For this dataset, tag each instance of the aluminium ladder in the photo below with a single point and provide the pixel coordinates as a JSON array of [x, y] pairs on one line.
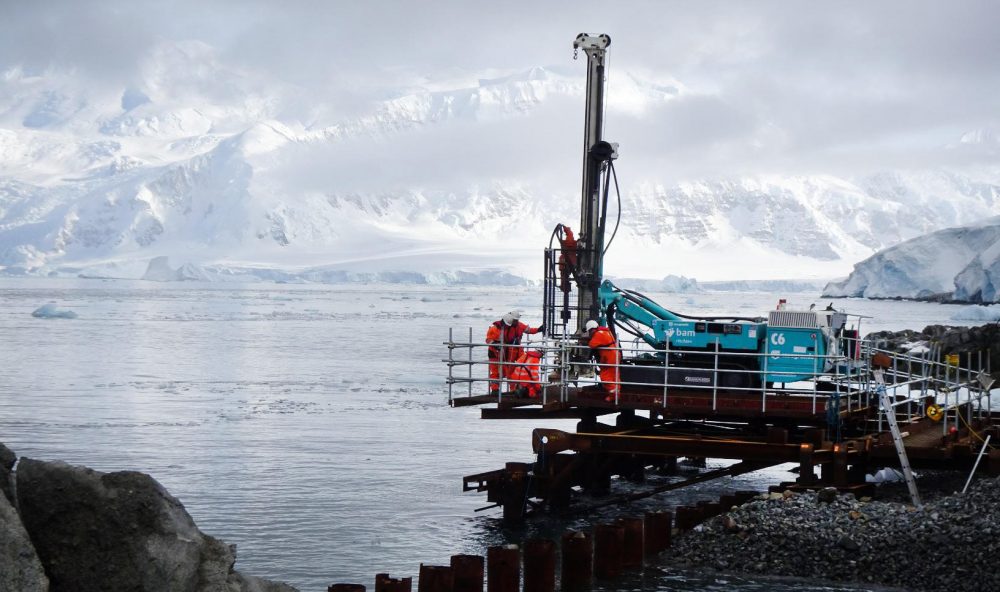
[[897, 438]]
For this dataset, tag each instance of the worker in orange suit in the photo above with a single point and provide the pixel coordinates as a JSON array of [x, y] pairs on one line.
[[604, 348], [504, 346], [525, 375]]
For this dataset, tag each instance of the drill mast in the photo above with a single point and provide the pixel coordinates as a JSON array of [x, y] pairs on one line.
[[596, 154]]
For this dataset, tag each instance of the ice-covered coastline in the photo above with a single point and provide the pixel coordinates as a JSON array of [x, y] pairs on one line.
[[953, 265]]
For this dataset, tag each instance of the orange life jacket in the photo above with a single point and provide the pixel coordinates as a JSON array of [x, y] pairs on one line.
[[499, 333], [609, 357], [526, 372]]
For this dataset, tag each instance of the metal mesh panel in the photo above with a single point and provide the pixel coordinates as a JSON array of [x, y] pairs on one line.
[[792, 319]]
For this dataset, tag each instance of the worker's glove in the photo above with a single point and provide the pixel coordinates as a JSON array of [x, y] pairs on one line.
[[541, 329]]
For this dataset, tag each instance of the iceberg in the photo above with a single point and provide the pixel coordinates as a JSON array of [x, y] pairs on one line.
[[50, 311], [960, 264]]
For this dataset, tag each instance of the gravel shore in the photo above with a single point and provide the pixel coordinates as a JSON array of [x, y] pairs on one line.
[[950, 543]]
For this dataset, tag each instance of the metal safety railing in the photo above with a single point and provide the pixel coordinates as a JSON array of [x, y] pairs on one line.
[[836, 383], [956, 390]]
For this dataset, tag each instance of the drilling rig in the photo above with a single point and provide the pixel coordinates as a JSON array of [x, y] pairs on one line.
[[791, 386]]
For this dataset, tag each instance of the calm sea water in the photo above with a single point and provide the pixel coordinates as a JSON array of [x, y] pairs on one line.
[[307, 424]]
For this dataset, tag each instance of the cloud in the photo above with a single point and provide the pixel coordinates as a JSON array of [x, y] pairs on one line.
[[774, 86], [446, 157]]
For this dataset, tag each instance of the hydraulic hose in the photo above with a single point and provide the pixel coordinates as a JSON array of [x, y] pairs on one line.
[[618, 220]]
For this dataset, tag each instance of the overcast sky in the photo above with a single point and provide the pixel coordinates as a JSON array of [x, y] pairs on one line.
[[788, 86]]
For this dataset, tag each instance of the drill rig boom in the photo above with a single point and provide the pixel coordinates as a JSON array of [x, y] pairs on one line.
[[596, 154]]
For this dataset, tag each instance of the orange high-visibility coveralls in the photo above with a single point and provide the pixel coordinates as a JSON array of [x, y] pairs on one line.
[[505, 346], [526, 372], [609, 358]]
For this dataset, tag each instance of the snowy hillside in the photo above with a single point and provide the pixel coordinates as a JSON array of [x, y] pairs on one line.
[[204, 165], [956, 263]]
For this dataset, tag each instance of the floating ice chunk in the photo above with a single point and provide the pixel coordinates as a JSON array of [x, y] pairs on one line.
[[49, 311], [978, 313]]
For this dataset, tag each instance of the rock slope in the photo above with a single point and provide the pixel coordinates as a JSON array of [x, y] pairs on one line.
[[75, 529]]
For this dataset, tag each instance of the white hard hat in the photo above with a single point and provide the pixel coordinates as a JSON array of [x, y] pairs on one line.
[[508, 319], [515, 314], [591, 325]]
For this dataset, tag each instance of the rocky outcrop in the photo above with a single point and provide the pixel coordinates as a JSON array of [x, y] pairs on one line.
[[950, 340], [20, 568], [120, 531], [7, 460]]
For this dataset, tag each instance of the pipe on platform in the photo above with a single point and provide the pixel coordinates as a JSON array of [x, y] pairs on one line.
[[609, 543], [503, 569], [435, 578], [577, 561], [709, 509], [383, 583], [687, 517], [633, 545], [657, 531], [467, 571], [539, 565]]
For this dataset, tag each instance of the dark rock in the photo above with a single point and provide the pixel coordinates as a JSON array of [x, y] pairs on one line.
[[20, 568], [119, 531], [847, 543], [827, 495], [982, 342], [7, 460]]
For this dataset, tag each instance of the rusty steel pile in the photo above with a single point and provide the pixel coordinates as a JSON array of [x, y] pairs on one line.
[[607, 552]]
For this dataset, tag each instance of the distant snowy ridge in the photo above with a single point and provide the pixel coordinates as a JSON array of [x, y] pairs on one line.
[[768, 286], [672, 284], [91, 179], [960, 264], [159, 270]]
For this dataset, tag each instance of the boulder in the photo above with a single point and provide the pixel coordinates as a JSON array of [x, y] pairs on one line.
[[827, 495], [7, 460], [20, 568], [118, 531]]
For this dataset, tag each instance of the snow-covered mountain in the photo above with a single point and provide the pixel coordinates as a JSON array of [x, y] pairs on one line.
[[211, 167], [960, 264]]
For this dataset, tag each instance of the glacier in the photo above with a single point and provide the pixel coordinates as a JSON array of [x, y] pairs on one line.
[[957, 264], [445, 183]]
